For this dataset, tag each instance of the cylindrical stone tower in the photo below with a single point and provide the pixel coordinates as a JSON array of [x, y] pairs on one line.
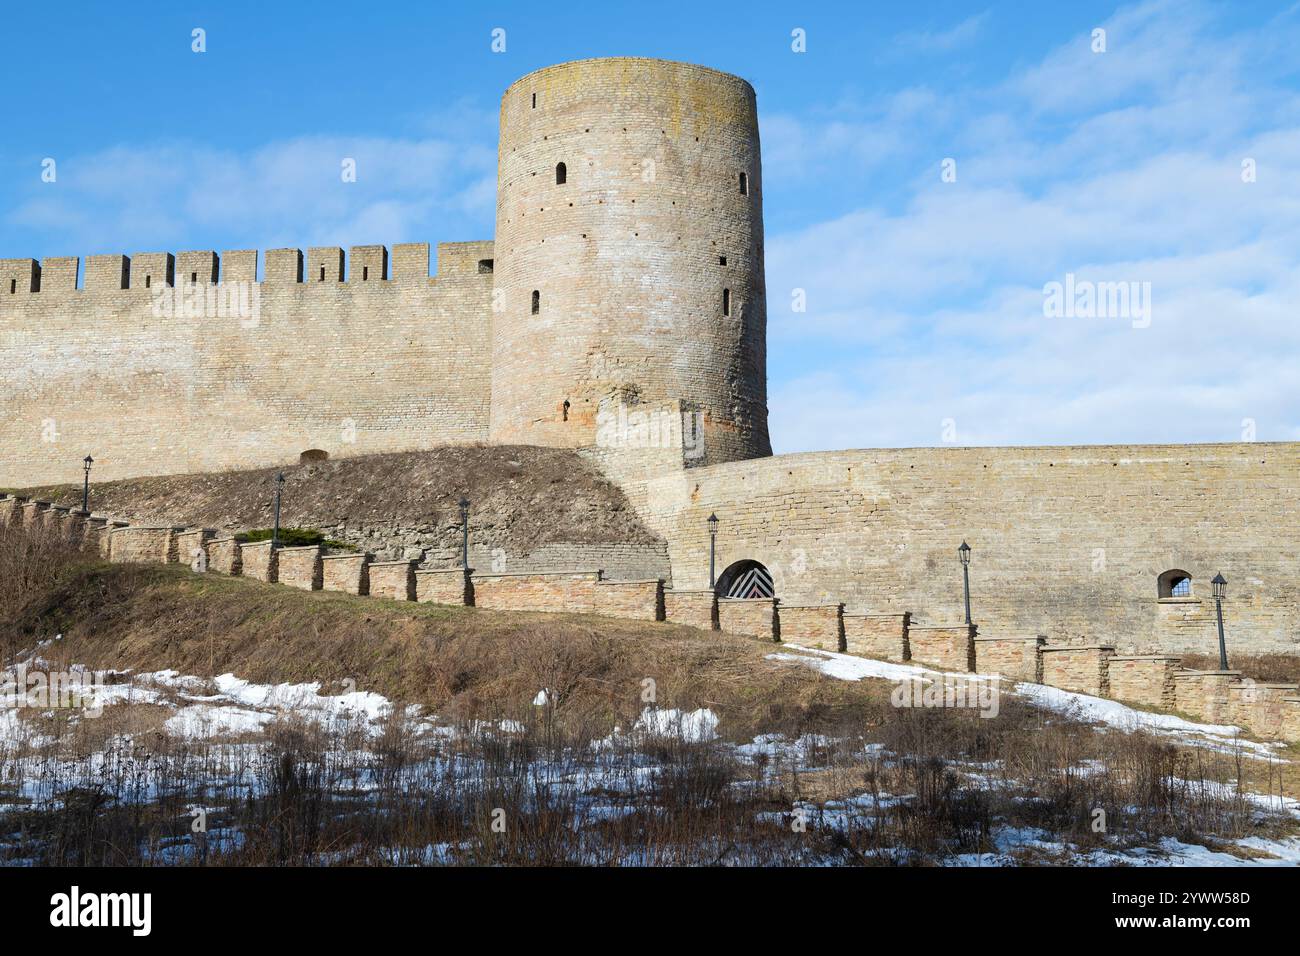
[[629, 259]]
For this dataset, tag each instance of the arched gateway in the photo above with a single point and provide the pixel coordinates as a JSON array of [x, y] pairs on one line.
[[745, 579]]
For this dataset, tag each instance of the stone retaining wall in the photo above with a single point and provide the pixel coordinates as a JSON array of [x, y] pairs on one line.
[[882, 636], [143, 543], [1147, 680], [444, 586], [300, 567], [224, 556], [259, 561], [1204, 694], [813, 625], [1082, 668], [393, 579], [192, 542], [349, 573], [692, 608], [573, 591], [754, 617], [1016, 657], [637, 600], [947, 647]]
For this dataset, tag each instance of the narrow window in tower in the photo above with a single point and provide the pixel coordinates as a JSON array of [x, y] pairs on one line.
[[13, 286], [744, 184], [561, 174], [322, 273], [564, 411], [534, 101], [722, 260], [146, 281], [365, 273], [194, 278], [537, 302], [726, 302]]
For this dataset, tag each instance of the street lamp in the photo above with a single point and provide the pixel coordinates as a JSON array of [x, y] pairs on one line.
[[964, 553], [464, 530], [275, 532], [85, 488], [713, 549], [1220, 592]]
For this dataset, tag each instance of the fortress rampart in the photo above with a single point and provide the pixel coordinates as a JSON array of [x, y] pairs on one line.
[[163, 363]]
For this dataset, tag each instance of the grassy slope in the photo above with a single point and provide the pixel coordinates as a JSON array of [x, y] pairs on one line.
[[523, 496], [463, 662]]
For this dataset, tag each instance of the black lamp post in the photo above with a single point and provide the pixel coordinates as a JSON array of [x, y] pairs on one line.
[[464, 533], [713, 549], [1220, 592], [275, 531], [964, 553], [85, 487]]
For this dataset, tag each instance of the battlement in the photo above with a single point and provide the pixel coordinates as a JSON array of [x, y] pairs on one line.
[[360, 265]]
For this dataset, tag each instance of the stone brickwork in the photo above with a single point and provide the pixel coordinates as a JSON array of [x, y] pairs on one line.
[[1259, 707], [136, 543], [349, 573], [1016, 657], [259, 561], [404, 358], [95, 534], [555, 591], [1082, 668], [106, 538], [876, 530], [32, 512], [692, 608], [300, 567], [193, 542], [393, 579], [1204, 694], [1146, 680], [813, 625], [653, 153], [444, 586], [1291, 719], [639, 600], [224, 556], [881, 636], [754, 617], [947, 647], [10, 510]]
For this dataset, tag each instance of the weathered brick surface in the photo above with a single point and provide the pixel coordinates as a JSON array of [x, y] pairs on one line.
[[142, 543], [1259, 707], [1016, 657], [1291, 719], [639, 600], [259, 561], [1082, 668], [755, 617], [879, 636], [576, 243], [393, 579], [224, 556], [406, 359], [556, 591], [72, 526], [96, 527], [300, 567], [813, 625], [193, 542], [692, 608], [1204, 694], [947, 647], [349, 573], [443, 586], [106, 537], [1147, 680], [837, 509]]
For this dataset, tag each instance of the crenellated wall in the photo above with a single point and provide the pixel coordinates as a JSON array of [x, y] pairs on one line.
[[163, 363]]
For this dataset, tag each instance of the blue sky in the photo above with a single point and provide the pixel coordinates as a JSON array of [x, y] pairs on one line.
[[925, 320]]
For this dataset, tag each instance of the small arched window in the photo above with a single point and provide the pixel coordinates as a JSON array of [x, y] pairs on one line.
[[561, 174], [1175, 584], [537, 301]]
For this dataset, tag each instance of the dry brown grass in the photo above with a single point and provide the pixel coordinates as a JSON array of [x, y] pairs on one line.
[[1266, 668]]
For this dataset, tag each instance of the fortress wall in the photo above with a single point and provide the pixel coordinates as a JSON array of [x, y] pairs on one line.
[[626, 254], [202, 377], [1068, 542]]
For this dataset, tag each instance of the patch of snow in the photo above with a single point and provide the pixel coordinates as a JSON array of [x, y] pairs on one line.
[[697, 726]]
